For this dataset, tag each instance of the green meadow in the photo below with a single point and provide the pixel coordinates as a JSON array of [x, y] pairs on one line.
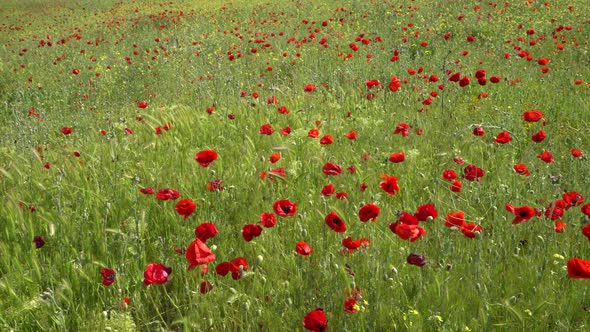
[[431, 155]]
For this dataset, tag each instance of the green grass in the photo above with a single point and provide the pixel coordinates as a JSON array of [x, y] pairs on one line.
[[92, 215]]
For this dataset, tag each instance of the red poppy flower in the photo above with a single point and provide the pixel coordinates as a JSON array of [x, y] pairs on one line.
[[416, 259], [303, 248], [586, 230], [237, 266], [147, 191], [286, 131], [546, 156], [108, 276], [522, 169], [470, 38], [223, 268], [268, 219], [405, 231], [66, 130], [372, 83], [455, 77], [351, 135], [586, 209], [572, 199], [186, 207], [397, 157], [473, 172], [395, 83], [369, 212], [205, 287], [285, 208], [389, 184], [408, 219], [266, 129], [503, 137], [539, 136], [576, 153], [205, 231], [156, 274], [403, 129], [206, 157], [283, 110], [167, 194], [426, 212], [470, 230], [578, 268], [478, 131], [250, 231], [521, 214], [532, 116], [39, 241], [464, 81], [449, 175], [313, 133], [560, 226], [309, 88], [456, 186], [455, 219], [331, 169], [315, 321], [335, 223], [274, 157], [350, 305], [328, 190], [326, 140], [215, 185], [129, 131], [555, 210], [198, 253], [142, 104]]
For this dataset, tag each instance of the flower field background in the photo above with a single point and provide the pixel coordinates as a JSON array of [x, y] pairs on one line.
[[319, 165]]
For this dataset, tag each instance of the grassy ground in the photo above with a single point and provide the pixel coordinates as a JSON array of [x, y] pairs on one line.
[[210, 75]]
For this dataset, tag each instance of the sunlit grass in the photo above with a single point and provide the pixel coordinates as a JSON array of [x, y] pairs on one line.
[[204, 75]]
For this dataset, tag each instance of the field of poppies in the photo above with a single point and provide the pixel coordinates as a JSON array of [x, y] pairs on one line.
[[298, 165]]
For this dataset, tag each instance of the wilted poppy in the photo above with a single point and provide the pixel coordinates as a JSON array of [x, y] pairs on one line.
[[156, 273], [315, 321], [335, 222], [186, 207], [205, 287], [206, 157]]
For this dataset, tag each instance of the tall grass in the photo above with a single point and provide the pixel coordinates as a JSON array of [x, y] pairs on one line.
[[91, 213]]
